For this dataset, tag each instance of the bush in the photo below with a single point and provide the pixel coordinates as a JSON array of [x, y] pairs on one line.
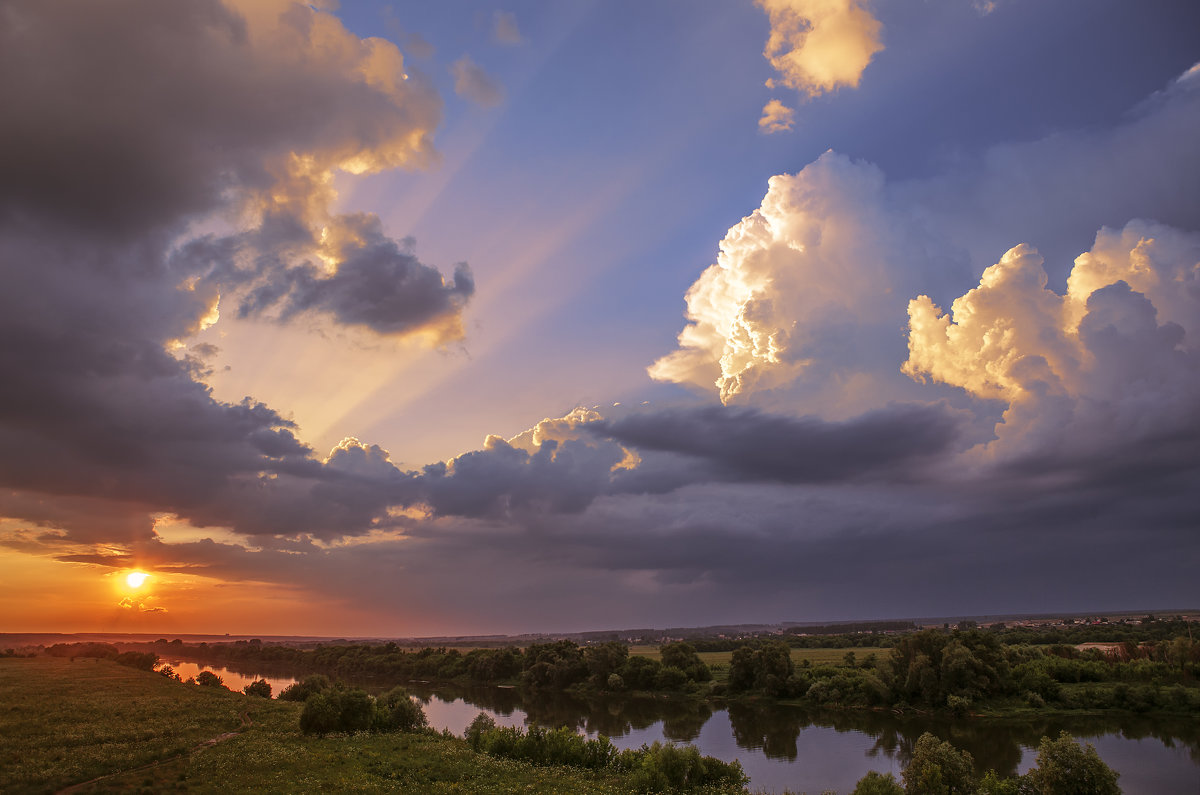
[[875, 783], [655, 768], [320, 715], [342, 709], [259, 687], [665, 767], [169, 672], [397, 711], [482, 724], [300, 691], [209, 679]]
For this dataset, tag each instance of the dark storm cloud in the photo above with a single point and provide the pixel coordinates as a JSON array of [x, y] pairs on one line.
[[744, 444], [681, 447], [501, 480], [124, 122], [124, 116], [379, 283]]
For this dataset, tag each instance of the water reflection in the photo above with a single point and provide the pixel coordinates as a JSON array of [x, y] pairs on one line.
[[815, 750]]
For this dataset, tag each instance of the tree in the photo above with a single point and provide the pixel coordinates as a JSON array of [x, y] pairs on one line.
[[397, 711], [259, 687], [605, 659], [300, 691], [938, 768], [1066, 768], [320, 715], [209, 679]]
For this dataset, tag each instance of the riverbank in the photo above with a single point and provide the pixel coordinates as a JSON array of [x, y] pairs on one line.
[[113, 728]]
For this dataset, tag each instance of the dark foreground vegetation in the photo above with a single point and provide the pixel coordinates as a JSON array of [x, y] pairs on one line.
[[107, 727], [1149, 667]]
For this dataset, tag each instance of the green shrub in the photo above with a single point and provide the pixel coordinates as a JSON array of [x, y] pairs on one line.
[[938, 768], [1066, 768], [259, 687], [300, 691], [397, 711], [320, 716], [875, 783], [209, 679]]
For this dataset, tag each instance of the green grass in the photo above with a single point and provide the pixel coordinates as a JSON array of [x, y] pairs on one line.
[[64, 723]]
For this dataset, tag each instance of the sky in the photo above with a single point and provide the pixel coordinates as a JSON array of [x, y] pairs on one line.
[[408, 319]]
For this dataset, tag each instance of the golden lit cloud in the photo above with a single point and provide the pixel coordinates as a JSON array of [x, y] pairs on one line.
[[818, 46], [811, 256], [1012, 334], [776, 117]]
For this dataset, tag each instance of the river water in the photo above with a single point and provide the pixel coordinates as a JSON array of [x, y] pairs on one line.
[[814, 751]]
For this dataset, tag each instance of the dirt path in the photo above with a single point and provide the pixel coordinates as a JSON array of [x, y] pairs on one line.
[[209, 743]]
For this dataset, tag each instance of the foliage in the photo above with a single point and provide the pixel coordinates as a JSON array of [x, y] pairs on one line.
[[938, 768], [666, 767], [300, 691], [660, 767], [1065, 768], [875, 783], [765, 667], [143, 661], [209, 679], [397, 711], [259, 687], [350, 709]]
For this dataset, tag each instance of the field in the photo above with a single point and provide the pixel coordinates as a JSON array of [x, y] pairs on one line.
[[65, 723]]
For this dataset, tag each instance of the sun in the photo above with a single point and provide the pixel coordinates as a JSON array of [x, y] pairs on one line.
[[135, 579]]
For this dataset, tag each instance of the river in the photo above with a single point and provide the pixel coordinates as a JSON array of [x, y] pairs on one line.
[[786, 747]]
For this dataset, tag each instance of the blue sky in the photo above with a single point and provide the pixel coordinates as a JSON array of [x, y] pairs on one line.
[[430, 318]]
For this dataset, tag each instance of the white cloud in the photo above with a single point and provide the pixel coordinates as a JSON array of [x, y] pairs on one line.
[[810, 265], [776, 117], [1111, 362], [818, 46]]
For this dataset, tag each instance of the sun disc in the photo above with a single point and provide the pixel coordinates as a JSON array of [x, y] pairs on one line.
[[134, 579]]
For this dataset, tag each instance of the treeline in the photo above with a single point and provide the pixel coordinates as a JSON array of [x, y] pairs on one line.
[[560, 665], [961, 670], [887, 634], [144, 661]]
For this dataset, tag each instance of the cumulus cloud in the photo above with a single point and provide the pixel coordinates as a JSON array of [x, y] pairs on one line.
[[818, 46], [776, 117], [803, 288], [505, 29], [471, 82], [1112, 362]]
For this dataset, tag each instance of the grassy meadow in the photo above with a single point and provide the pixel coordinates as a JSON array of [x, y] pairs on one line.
[[65, 723]]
